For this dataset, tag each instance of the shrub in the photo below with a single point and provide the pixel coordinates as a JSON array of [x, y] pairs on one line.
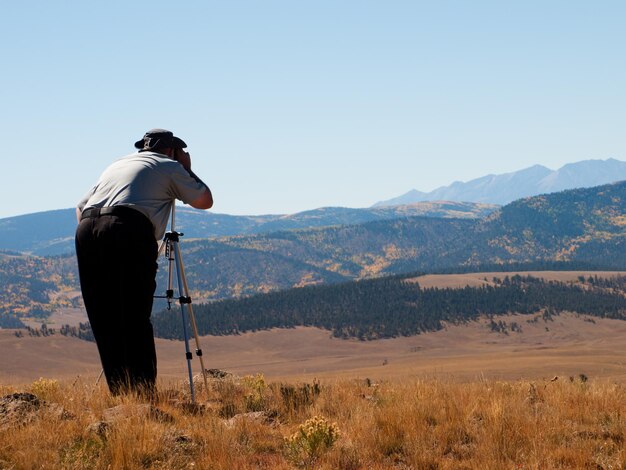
[[311, 440], [256, 389], [45, 388]]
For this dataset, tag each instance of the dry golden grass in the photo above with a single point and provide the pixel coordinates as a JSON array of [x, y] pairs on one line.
[[567, 423]]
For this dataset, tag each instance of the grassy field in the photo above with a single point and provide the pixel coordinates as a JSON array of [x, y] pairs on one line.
[[550, 393], [251, 423]]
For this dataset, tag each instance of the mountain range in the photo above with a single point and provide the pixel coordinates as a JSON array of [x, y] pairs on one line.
[[585, 226], [52, 232], [582, 228], [508, 187]]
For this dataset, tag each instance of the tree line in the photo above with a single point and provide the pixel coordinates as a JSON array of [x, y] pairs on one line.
[[394, 306], [390, 307], [82, 331]]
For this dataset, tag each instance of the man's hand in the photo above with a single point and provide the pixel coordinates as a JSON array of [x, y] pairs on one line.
[[183, 158]]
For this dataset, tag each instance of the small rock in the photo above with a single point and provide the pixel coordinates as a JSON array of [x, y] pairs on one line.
[[217, 373], [212, 375], [22, 408], [56, 410], [18, 408], [262, 417], [99, 428]]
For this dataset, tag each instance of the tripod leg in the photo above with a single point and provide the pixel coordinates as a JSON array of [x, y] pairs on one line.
[[188, 355], [93, 389], [181, 269]]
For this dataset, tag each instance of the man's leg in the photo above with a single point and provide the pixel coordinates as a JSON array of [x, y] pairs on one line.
[[98, 279], [117, 266], [137, 293]]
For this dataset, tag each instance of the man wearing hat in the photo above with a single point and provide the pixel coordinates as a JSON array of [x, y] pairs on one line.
[[120, 220]]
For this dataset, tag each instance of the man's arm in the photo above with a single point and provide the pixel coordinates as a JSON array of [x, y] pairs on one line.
[[78, 214], [206, 200], [203, 202]]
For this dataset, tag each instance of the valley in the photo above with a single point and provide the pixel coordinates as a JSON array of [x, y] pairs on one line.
[[364, 281], [564, 345], [568, 345]]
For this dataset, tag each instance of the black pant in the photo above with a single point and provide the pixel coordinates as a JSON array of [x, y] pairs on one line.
[[117, 267]]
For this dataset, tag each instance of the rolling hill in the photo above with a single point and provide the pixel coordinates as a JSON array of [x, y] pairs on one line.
[[52, 232], [581, 228], [584, 226]]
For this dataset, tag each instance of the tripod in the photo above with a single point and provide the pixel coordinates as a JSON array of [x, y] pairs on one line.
[[169, 246]]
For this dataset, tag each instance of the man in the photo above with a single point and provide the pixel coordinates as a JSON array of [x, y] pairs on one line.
[[120, 220]]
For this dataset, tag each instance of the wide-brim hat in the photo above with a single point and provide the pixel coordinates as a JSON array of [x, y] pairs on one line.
[[162, 138]]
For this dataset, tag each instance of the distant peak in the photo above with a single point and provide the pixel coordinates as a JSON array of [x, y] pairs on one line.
[[533, 180], [539, 167]]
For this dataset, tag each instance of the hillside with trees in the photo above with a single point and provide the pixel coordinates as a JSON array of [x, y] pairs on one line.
[[397, 306], [583, 228], [35, 287], [52, 232]]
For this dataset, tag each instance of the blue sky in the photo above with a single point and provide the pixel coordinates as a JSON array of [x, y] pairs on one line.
[[293, 105]]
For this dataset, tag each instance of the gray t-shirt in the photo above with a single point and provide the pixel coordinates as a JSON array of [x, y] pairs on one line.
[[148, 182]]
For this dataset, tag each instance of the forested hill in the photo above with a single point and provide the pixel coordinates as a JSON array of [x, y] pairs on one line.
[[246, 265], [34, 287], [395, 306], [586, 225], [583, 225], [52, 232]]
